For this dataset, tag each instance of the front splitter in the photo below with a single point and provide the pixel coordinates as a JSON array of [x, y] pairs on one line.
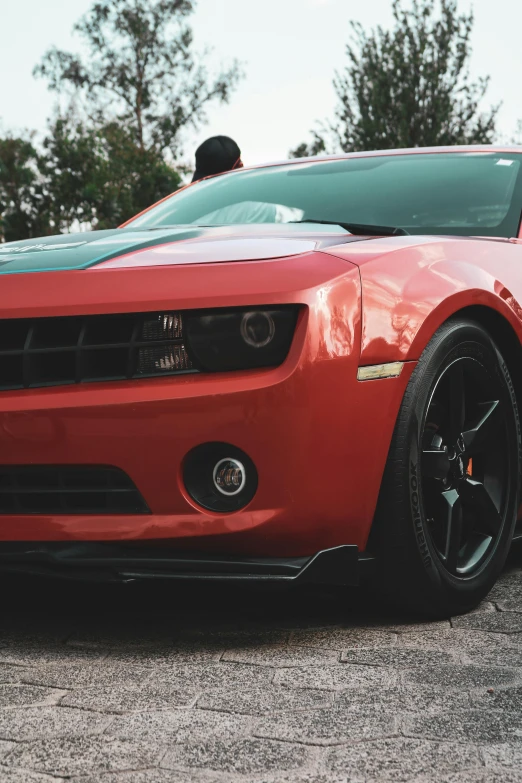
[[114, 562]]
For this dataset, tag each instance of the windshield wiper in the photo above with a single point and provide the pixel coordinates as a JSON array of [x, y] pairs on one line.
[[359, 229]]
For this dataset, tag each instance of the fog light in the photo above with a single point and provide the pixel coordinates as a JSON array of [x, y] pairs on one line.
[[220, 477], [229, 476], [257, 329]]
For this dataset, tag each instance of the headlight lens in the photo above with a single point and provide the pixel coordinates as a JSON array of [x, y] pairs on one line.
[[240, 339], [257, 329]]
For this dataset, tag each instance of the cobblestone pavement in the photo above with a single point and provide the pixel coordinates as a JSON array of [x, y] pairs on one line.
[[160, 684]]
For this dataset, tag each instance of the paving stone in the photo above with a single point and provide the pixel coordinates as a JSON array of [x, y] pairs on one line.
[[200, 676], [507, 607], [263, 700], [333, 677], [306, 777], [274, 655], [83, 755], [235, 639], [498, 622], [5, 747], [467, 726], [11, 673], [342, 638], [504, 656], [143, 776], [398, 658], [411, 627], [25, 776], [33, 723], [27, 695], [78, 675], [407, 699], [463, 676], [484, 606], [509, 699], [480, 776], [285, 709], [329, 727], [507, 593], [447, 639], [296, 620], [503, 755], [165, 656], [178, 727], [38, 655], [120, 700], [400, 759], [244, 756]]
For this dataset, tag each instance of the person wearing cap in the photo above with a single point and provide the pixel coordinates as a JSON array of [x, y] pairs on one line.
[[216, 155]]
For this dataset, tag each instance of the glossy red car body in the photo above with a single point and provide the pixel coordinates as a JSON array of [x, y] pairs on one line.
[[318, 436]]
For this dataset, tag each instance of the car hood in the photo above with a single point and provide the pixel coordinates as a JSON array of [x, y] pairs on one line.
[[130, 247]]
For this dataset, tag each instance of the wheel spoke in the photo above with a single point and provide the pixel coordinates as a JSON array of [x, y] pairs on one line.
[[453, 512], [457, 410], [473, 551], [435, 464], [475, 495], [466, 462], [485, 429]]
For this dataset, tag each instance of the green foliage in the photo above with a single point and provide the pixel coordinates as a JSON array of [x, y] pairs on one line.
[[99, 175], [304, 150], [130, 100], [140, 70], [409, 86], [23, 205]]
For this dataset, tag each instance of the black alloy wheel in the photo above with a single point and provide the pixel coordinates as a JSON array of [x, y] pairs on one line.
[[452, 476], [463, 465]]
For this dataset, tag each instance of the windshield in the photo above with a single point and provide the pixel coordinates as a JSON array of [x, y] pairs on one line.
[[465, 193]]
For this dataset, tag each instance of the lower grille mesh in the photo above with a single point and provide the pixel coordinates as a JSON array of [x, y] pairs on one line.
[[68, 489]]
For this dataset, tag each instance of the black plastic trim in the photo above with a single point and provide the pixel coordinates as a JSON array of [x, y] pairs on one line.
[[65, 350], [68, 489], [114, 562]]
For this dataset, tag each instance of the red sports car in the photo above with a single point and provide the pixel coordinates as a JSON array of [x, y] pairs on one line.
[[298, 372]]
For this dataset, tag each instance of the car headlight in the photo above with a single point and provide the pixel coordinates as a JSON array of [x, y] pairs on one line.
[[239, 339]]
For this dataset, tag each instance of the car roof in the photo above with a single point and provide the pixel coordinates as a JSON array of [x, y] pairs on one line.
[[477, 148]]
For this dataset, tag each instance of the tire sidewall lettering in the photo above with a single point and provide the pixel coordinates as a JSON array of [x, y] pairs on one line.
[[417, 514]]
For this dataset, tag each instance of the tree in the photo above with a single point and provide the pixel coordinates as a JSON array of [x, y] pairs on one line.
[[112, 150], [99, 176], [409, 86], [304, 150], [23, 204], [140, 71]]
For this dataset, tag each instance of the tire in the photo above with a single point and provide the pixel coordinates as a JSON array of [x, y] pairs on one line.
[[449, 496]]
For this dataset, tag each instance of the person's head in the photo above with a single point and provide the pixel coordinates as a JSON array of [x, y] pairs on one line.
[[215, 155]]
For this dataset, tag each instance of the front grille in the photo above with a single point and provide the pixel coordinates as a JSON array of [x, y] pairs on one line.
[[57, 351], [68, 489]]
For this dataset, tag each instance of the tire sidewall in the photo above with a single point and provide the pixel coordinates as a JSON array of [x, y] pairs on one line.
[[459, 339]]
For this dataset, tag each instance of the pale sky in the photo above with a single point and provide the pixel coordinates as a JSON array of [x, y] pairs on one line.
[[290, 50]]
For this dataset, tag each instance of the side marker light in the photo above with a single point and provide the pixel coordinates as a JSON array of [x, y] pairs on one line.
[[376, 371]]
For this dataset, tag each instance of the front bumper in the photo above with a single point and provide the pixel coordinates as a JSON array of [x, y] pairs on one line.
[[340, 566], [317, 436]]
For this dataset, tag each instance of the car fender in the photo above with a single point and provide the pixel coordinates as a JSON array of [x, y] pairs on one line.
[[409, 291]]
